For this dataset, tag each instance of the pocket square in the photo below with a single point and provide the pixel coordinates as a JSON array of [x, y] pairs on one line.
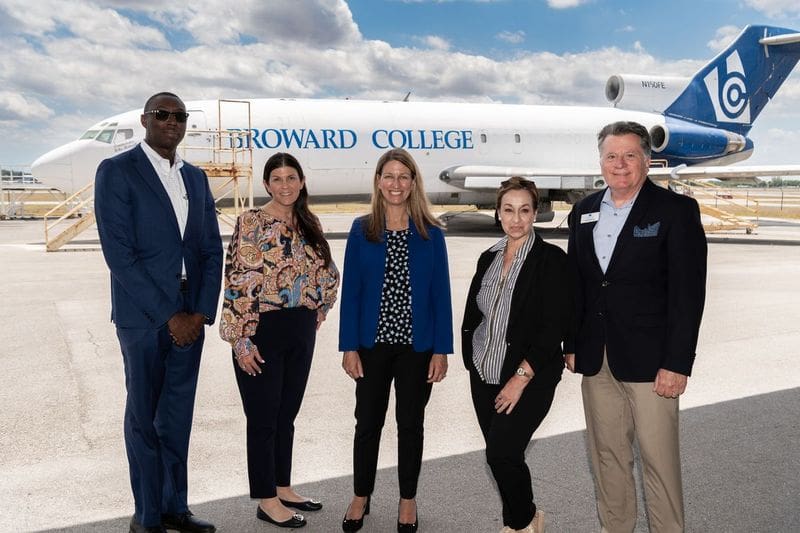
[[651, 230]]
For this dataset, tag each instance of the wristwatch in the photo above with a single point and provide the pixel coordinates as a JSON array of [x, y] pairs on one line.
[[524, 373]]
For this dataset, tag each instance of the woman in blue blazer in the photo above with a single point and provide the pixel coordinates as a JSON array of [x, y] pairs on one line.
[[395, 325]]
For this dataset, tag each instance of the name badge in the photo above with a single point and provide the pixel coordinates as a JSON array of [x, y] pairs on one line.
[[590, 217]]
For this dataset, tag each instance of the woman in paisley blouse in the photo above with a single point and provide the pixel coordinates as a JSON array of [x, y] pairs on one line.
[[395, 325], [280, 282]]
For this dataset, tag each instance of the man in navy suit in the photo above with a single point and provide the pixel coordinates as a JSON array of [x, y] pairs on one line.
[[638, 254], [158, 230]]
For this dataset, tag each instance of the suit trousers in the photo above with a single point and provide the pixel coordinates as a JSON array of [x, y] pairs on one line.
[[616, 411], [409, 369], [285, 339], [507, 436], [161, 380]]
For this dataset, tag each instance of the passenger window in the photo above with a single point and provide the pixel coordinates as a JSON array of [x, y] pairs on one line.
[[517, 138], [483, 138]]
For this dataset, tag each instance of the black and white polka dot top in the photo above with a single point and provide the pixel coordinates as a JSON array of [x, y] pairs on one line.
[[394, 324]]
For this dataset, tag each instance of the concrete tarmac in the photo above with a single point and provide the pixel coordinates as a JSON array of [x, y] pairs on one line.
[[62, 457]]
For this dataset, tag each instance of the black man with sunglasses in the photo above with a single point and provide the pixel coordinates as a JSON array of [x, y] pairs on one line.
[[158, 230]]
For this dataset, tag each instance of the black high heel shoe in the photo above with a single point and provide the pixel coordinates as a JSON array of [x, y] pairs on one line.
[[354, 524], [407, 528]]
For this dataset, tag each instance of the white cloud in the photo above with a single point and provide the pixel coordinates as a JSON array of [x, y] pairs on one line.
[[513, 37], [434, 42], [67, 83], [17, 107], [566, 4], [626, 29], [775, 8], [723, 37], [50, 20]]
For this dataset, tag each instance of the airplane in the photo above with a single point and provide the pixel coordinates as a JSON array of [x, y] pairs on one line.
[[699, 127]]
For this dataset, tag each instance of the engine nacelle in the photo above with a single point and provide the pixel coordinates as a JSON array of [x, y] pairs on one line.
[[636, 92], [683, 142]]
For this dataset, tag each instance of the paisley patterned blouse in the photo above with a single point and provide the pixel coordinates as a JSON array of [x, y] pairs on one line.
[[269, 266]]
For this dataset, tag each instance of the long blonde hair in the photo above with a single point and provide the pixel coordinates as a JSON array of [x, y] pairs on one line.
[[419, 208]]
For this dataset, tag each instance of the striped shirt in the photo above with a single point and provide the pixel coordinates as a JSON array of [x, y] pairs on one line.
[[494, 303]]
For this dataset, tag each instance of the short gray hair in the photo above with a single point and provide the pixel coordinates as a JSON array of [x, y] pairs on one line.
[[624, 128]]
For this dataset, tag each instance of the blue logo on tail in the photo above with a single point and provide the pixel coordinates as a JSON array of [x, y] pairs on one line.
[[728, 91]]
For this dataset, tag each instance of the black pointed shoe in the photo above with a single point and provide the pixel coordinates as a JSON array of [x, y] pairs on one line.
[[186, 523], [408, 528], [307, 505], [354, 524], [296, 521]]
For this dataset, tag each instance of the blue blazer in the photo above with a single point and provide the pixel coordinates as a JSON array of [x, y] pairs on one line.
[[142, 243], [645, 311], [362, 281]]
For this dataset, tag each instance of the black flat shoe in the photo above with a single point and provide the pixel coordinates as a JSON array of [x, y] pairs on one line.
[[354, 524], [294, 522], [307, 505]]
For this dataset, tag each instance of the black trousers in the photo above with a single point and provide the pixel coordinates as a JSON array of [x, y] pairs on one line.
[[271, 400], [507, 437], [409, 370]]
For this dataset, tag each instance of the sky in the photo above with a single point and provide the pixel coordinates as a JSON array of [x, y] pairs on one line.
[[66, 64]]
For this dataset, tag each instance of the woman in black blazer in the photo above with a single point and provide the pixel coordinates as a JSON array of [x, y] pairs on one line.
[[518, 312]]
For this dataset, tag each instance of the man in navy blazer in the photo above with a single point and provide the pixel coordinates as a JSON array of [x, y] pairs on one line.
[[158, 230], [638, 255]]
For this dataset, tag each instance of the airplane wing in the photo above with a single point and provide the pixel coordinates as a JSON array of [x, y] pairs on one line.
[[488, 177], [730, 172]]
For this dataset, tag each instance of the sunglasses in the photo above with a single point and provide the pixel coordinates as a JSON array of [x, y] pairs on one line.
[[163, 115]]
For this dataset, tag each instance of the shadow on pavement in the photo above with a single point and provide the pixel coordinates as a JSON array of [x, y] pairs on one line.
[[740, 464]]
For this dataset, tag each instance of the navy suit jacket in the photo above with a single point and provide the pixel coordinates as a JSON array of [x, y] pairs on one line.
[[362, 282], [646, 309], [142, 243]]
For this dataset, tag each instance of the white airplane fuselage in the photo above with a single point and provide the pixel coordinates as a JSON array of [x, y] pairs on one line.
[[464, 150], [339, 141]]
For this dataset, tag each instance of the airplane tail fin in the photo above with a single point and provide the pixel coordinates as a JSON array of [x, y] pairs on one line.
[[734, 87]]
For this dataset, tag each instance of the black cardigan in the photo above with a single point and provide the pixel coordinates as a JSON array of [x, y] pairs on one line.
[[540, 317]]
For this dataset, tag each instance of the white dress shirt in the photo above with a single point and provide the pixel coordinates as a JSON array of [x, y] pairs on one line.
[[171, 179]]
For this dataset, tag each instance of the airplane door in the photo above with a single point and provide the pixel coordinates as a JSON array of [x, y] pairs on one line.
[[483, 142], [198, 143]]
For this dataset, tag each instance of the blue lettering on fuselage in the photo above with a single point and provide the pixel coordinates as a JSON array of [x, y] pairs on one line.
[[423, 139], [345, 139]]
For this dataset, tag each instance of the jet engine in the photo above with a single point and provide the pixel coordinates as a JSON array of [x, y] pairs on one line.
[[682, 142], [636, 92]]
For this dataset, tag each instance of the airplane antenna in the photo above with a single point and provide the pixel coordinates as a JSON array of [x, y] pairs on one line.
[[405, 98]]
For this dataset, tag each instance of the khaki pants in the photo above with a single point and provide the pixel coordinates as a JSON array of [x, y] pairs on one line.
[[615, 412]]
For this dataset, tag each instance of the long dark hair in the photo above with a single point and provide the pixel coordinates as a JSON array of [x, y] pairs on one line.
[[307, 222]]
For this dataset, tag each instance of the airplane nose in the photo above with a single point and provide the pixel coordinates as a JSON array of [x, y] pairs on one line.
[[55, 168]]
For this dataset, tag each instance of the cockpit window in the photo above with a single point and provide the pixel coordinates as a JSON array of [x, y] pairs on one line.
[[105, 136], [91, 134]]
